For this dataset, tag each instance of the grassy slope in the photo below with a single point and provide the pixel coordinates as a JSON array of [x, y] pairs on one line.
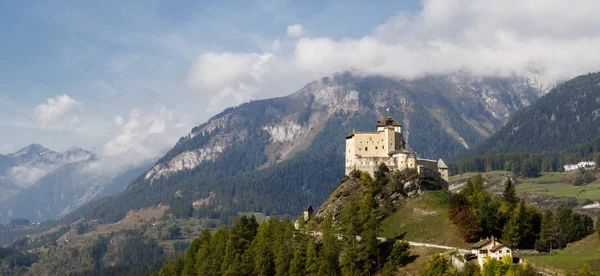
[[423, 219], [557, 184], [573, 257], [549, 183]]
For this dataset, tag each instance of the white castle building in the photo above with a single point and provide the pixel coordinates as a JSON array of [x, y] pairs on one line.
[[366, 150]]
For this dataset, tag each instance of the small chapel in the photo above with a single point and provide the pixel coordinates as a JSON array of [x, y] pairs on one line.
[[366, 150]]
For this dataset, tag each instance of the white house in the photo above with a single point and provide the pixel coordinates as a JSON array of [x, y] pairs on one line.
[[490, 248]]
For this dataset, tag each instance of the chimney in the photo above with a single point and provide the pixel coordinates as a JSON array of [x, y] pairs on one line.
[[493, 241]]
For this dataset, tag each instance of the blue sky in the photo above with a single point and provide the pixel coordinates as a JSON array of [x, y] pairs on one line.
[[114, 56], [131, 77]]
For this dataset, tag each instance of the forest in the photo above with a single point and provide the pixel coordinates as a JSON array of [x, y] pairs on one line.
[[327, 245]]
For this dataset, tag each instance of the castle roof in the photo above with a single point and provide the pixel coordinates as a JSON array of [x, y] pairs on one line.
[[309, 208], [388, 121], [441, 164]]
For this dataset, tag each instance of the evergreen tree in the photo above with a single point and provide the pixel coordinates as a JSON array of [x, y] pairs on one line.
[[548, 232], [351, 259], [297, 265], [189, 267], [370, 226], [520, 231], [400, 255], [510, 193], [438, 265], [312, 264], [329, 254]]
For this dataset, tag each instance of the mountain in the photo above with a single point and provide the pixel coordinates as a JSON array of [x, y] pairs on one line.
[[277, 154], [40, 184], [566, 119]]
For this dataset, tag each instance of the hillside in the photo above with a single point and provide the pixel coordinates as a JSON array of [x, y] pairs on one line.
[[568, 116], [276, 155], [573, 257]]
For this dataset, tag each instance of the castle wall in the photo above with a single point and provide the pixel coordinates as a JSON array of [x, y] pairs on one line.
[[372, 144], [350, 155], [371, 164]]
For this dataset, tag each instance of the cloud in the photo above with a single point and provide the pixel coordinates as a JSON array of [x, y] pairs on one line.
[[228, 78], [137, 139], [49, 113], [547, 40], [295, 30], [27, 175]]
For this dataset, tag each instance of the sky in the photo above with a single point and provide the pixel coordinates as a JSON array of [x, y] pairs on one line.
[[126, 79]]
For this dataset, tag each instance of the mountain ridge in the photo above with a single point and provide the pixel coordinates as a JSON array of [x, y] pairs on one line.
[[560, 121], [264, 139]]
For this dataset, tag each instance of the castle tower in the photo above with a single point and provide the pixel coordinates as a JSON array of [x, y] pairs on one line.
[[443, 169]]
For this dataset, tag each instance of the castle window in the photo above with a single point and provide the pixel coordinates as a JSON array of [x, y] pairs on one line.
[[366, 148], [382, 147], [375, 147]]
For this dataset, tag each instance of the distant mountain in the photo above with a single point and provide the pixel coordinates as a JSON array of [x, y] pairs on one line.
[[279, 154], [565, 120], [38, 183]]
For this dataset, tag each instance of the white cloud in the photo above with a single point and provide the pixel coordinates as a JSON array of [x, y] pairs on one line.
[[227, 78], [295, 30], [142, 136], [49, 113], [27, 175], [550, 40]]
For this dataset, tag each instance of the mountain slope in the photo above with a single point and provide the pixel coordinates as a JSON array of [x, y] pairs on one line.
[[39, 184], [558, 122], [277, 154]]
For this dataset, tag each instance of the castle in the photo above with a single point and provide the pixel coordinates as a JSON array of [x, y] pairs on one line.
[[366, 150]]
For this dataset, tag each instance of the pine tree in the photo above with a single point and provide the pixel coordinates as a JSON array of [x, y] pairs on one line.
[[298, 262], [189, 261], [350, 259], [368, 251], [261, 249], [548, 232], [329, 254], [312, 264], [510, 193]]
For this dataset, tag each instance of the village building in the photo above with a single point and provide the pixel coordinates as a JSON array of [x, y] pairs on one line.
[[583, 164], [308, 213], [365, 151], [489, 248]]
